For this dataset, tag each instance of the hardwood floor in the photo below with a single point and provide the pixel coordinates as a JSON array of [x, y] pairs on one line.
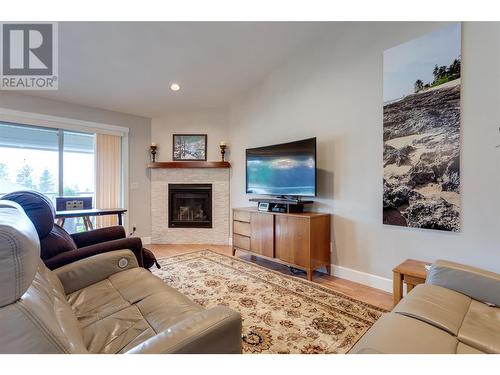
[[361, 292]]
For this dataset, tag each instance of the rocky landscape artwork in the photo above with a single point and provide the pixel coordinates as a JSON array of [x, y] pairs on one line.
[[422, 131]]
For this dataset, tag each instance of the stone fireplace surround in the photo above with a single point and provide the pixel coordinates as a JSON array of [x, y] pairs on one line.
[[162, 234]]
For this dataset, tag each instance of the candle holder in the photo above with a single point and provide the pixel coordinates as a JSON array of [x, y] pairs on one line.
[[222, 151], [153, 149]]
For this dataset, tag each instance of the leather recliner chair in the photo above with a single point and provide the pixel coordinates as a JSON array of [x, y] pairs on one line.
[[58, 247], [101, 304]]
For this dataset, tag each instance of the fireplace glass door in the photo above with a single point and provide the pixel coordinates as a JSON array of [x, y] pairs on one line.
[[190, 205]]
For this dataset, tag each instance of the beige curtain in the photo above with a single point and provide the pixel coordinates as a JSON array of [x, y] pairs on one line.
[[108, 176]]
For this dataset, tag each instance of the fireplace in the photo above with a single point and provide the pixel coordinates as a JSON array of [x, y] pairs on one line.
[[190, 205]]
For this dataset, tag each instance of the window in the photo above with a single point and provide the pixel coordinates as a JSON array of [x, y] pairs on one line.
[[78, 164], [55, 162]]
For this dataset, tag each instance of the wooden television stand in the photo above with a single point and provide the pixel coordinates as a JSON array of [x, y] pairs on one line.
[[301, 240]]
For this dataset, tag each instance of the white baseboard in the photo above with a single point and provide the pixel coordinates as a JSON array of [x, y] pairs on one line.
[[146, 240], [364, 278]]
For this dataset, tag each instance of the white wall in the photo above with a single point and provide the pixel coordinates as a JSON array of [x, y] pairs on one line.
[[213, 122], [334, 92], [139, 213]]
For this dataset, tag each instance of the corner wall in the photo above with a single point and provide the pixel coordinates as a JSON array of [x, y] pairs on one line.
[[213, 122], [334, 92]]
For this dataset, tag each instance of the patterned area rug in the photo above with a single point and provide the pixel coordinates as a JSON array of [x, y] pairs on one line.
[[281, 314]]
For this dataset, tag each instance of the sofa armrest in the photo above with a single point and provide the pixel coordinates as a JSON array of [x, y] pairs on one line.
[[88, 271], [96, 236], [474, 282], [133, 244], [216, 330]]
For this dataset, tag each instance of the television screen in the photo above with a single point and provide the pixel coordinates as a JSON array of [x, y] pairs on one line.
[[284, 169]]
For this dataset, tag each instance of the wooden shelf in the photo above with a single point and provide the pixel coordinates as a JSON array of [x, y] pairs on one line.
[[190, 164]]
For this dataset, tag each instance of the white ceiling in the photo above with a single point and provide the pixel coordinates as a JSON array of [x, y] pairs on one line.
[[128, 66]]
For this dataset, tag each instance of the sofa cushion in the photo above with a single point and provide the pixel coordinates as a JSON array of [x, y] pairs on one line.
[[117, 332], [481, 327], [136, 284], [126, 309], [96, 302], [466, 349], [440, 307], [166, 308], [399, 334]]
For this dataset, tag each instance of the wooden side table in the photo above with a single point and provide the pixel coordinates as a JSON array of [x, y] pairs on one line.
[[411, 272]]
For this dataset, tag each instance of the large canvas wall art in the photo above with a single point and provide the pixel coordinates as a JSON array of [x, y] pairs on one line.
[[422, 131]]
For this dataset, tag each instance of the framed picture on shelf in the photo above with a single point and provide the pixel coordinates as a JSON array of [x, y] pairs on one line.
[[189, 147]]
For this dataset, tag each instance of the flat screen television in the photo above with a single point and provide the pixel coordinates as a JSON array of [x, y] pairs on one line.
[[287, 169]]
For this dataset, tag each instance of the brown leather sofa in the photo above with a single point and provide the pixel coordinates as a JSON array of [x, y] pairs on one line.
[[455, 311], [58, 247], [100, 304]]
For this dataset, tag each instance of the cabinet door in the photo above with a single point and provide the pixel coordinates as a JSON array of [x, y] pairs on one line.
[[262, 234], [293, 240]]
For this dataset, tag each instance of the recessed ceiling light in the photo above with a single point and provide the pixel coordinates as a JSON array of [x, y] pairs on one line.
[[175, 87]]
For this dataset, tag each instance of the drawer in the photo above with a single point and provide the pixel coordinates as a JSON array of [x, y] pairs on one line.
[[241, 216], [241, 228], [241, 241], [413, 280]]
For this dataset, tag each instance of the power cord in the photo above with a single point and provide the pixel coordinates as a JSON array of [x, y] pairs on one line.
[[296, 271], [133, 231]]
